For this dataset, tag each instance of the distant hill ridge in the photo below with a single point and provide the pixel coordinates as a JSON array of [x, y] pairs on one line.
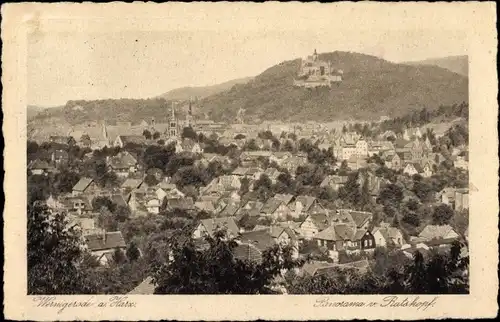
[[186, 93], [456, 64], [371, 87]]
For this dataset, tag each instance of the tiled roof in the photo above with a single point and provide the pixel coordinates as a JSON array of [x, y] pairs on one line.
[[247, 252], [145, 288], [220, 222], [435, 231], [306, 201], [230, 210], [320, 220], [122, 160], [39, 164], [180, 203], [261, 239], [286, 198], [131, 183], [205, 205], [112, 240], [135, 139], [271, 205], [82, 184]]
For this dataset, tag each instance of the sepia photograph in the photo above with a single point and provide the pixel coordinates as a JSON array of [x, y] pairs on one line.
[[210, 160]]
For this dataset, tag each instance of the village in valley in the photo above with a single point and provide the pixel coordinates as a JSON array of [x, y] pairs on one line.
[[342, 196]]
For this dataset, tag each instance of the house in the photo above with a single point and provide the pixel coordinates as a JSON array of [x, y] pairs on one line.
[[123, 140], [393, 161], [275, 208], [447, 196], [66, 140], [130, 184], [427, 170], [188, 145], [85, 186], [345, 237], [168, 190], [209, 226], [304, 205], [388, 134], [461, 163], [87, 226], [250, 208], [412, 169], [412, 133], [356, 162], [80, 205], [357, 219], [230, 209], [313, 224], [181, 204], [123, 164], [292, 163], [279, 157], [286, 198], [207, 206], [261, 239], [272, 174], [385, 235], [104, 245], [60, 157], [333, 181], [432, 232], [40, 167], [461, 199]]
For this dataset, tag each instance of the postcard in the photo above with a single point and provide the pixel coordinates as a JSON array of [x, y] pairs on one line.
[[243, 161]]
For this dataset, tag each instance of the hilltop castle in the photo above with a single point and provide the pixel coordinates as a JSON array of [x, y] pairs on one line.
[[315, 72]]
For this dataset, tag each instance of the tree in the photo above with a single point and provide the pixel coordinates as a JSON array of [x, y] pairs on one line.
[[245, 186], [391, 194], [85, 139], [118, 256], [150, 180], [100, 202], [215, 269], [146, 134], [156, 135], [56, 260], [344, 168], [240, 136], [442, 214], [189, 133], [133, 252]]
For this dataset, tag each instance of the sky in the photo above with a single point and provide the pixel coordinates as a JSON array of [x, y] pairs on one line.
[[98, 63]]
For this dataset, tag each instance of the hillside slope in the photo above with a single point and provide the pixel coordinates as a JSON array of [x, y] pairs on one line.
[[456, 64], [186, 93], [371, 87]]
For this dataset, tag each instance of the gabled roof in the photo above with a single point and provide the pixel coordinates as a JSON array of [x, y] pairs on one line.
[[277, 231], [240, 171], [285, 198], [205, 205], [180, 203], [112, 240], [360, 217], [145, 288], [82, 184], [321, 220], [306, 201], [271, 205], [122, 160], [247, 252], [435, 231], [230, 210], [39, 165], [261, 239], [212, 223], [131, 183], [387, 232], [135, 139]]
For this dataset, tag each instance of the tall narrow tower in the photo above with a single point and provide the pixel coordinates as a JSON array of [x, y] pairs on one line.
[[189, 115], [173, 130]]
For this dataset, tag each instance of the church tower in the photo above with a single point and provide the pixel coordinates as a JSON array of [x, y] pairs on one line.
[[189, 115], [173, 127]]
